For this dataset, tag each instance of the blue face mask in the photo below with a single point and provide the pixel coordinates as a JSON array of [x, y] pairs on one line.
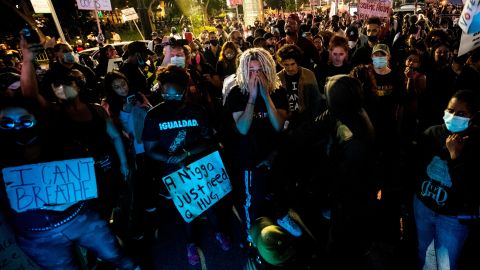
[[455, 123], [68, 58], [178, 61], [140, 61], [380, 62]]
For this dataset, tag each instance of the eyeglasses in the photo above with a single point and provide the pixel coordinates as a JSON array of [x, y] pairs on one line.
[[255, 70], [25, 122]]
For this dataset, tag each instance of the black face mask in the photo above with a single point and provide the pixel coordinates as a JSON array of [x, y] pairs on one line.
[[214, 42], [173, 103], [24, 136], [372, 38]]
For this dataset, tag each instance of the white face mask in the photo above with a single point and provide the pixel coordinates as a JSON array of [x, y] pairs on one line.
[[351, 44], [65, 92], [178, 61], [455, 123]]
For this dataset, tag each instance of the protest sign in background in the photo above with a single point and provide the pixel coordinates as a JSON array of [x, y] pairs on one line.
[[94, 5], [468, 42], [198, 186], [470, 18], [52, 185], [371, 8]]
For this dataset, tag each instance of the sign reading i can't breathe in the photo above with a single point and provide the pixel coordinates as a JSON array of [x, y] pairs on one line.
[[52, 185], [198, 186]]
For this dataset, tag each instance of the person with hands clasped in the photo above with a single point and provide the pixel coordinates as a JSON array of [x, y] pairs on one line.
[[446, 200], [259, 107], [175, 132]]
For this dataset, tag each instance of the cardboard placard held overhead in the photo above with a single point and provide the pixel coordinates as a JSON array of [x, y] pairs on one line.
[[129, 14], [94, 5], [198, 186], [53, 185]]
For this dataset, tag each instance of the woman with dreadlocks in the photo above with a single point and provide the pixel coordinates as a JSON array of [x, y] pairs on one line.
[[259, 108]]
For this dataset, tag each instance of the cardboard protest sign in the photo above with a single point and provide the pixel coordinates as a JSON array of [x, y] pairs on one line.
[[94, 5], [197, 187], [468, 42], [114, 64], [374, 8], [470, 18], [129, 14], [11, 256], [52, 185]]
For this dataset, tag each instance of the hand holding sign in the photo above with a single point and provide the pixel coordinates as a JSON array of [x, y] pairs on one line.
[[198, 186], [52, 185]]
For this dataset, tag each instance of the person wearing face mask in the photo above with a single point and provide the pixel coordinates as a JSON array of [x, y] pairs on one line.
[[85, 123], [355, 40], [227, 64], [64, 62], [128, 111], [237, 38], [446, 202], [386, 111], [134, 66], [212, 51], [75, 129], [29, 137], [388, 93], [221, 35], [363, 54], [205, 84], [172, 144]]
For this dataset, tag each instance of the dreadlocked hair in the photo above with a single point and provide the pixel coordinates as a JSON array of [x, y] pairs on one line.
[[268, 66]]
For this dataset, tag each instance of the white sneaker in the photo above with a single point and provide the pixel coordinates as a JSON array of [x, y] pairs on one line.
[[290, 225]]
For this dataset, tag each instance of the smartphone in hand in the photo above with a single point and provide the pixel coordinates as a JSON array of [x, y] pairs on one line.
[[131, 99], [30, 35]]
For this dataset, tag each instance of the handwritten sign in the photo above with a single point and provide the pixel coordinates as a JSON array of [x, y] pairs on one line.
[[470, 18], [197, 187], [129, 14], [94, 4], [11, 256], [40, 6], [468, 42], [52, 185], [374, 8]]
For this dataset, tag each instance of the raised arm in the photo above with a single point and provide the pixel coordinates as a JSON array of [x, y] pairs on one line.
[[28, 79]]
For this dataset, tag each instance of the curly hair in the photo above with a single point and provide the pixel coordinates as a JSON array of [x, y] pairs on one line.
[[289, 51], [268, 65], [175, 75]]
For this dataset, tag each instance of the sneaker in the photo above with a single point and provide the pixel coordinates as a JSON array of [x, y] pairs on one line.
[[224, 241], [290, 225], [192, 254]]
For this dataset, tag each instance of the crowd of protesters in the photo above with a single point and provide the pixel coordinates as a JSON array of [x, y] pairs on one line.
[[342, 138]]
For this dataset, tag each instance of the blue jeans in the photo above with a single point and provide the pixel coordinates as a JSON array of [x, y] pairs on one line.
[[54, 249], [440, 238]]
